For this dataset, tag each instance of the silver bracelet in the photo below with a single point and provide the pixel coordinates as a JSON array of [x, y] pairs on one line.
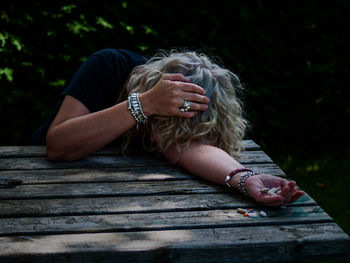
[[134, 106]]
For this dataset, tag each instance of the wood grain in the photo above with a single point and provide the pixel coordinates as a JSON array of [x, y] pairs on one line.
[[30, 163], [40, 151], [276, 243], [109, 208], [117, 174], [131, 204], [110, 189], [159, 221]]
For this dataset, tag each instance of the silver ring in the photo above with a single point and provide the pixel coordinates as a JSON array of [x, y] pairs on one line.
[[186, 106]]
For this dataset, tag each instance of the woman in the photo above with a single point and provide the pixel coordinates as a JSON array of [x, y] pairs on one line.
[[184, 102]]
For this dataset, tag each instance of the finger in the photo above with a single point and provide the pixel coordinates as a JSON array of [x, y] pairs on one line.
[[198, 106], [283, 183], [296, 196], [265, 198], [292, 184], [286, 193], [275, 200], [187, 114], [190, 96], [191, 87], [175, 77]]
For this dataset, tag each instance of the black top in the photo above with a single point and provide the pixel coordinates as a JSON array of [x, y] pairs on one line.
[[97, 84]]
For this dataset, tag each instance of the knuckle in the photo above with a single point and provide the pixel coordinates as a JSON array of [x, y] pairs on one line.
[[178, 75], [196, 88], [204, 107], [177, 112], [173, 101], [197, 97], [173, 93], [177, 84]]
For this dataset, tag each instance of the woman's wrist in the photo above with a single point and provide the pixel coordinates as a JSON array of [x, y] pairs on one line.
[[234, 182], [146, 104], [233, 178], [237, 179]]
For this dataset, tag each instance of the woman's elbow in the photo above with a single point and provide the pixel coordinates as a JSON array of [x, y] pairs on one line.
[[60, 155], [52, 154], [56, 152]]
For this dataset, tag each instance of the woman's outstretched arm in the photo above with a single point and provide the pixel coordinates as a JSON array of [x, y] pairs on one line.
[[214, 164]]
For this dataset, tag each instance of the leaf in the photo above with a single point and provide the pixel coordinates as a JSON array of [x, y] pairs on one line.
[[149, 30], [101, 21], [41, 71], [68, 8], [143, 48], [127, 27], [28, 17], [26, 63], [58, 83], [16, 42], [3, 38], [77, 27], [8, 72]]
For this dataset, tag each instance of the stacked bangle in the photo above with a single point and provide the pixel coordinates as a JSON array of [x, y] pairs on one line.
[[241, 184], [229, 177], [134, 106], [244, 177]]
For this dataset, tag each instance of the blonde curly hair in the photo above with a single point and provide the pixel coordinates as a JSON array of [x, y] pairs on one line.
[[222, 125]]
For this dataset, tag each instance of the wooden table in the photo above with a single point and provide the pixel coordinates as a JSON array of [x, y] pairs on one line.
[[108, 208]]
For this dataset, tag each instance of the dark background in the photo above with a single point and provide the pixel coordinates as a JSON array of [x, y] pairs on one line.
[[292, 56]]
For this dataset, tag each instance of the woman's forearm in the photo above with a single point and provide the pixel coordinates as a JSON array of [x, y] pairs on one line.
[[78, 137], [206, 161], [214, 164]]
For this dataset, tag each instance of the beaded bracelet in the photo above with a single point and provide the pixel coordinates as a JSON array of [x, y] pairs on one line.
[[134, 106], [241, 184], [229, 177]]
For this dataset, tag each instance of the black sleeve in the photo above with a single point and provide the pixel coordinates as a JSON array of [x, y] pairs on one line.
[[100, 79]]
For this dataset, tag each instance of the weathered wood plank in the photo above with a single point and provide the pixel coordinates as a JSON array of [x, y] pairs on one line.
[[89, 162], [159, 221], [40, 151], [116, 174], [250, 145], [131, 204], [250, 157], [237, 244], [109, 189]]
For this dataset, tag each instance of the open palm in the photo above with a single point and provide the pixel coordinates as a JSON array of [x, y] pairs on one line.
[[289, 193]]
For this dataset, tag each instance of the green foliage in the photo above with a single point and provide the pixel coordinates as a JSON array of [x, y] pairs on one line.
[[7, 72], [291, 57], [101, 21]]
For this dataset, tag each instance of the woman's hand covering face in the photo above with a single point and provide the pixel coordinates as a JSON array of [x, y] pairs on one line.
[[168, 96]]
